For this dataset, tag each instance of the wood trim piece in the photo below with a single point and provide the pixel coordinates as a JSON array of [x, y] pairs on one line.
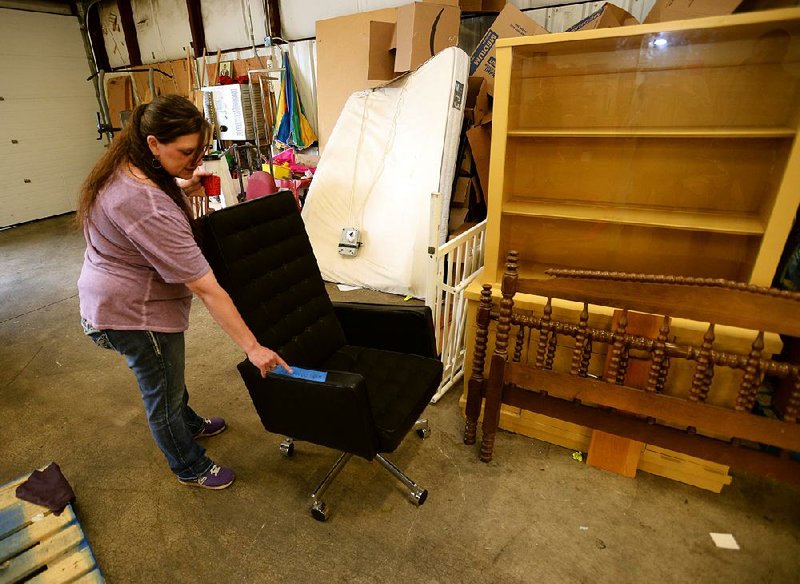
[[738, 308]]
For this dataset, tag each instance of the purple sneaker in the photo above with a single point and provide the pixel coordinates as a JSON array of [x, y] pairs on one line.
[[211, 427], [217, 477]]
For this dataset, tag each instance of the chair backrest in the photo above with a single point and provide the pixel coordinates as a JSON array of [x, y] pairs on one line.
[[261, 255]]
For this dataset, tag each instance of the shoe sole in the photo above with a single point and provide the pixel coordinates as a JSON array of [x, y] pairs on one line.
[[196, 484], [204, 435]]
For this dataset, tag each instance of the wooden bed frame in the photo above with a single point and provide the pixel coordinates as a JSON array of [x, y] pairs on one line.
[[750, 442]]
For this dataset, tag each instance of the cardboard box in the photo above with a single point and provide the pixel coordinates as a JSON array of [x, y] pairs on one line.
[[380, 63], [477, 105], [457, 218], [460, 194], [665, 10], [480, 144], [609, 16], [423, 29], [509, 23], [354, 53], [482, 5]]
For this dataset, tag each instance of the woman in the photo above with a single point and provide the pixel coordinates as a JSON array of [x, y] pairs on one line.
[[142, 265]]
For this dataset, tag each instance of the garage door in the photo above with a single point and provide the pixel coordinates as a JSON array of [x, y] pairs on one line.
[[47, 115]]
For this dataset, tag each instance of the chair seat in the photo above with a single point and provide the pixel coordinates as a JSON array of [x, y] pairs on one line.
[[399, 385]]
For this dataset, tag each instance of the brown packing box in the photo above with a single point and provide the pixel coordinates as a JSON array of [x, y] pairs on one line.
[[480, 144], [461, 192], [352, 53], [609, 16], [423, 29], [457, 217], [664, 10], [482, 5], [477, 104], [380, 64], [510, 22]]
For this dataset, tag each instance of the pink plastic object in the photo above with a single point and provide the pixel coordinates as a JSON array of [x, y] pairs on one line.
[[211, 184], [260, 184]]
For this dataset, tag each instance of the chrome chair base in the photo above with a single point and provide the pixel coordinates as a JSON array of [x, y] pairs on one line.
[[319, 510]]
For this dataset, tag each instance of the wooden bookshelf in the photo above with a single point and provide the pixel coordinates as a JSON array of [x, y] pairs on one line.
[[666, 148]]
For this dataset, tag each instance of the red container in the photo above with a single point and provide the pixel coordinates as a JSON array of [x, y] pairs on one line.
[[211, 184]]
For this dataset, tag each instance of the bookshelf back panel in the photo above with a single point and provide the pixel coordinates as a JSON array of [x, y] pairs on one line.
[[736, 175], [746, 75], [626, 248]]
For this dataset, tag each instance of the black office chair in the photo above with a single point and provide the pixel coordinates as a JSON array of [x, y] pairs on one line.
[[380, 360]]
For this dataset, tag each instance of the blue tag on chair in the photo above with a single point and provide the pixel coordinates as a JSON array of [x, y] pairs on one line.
[[299, 373]]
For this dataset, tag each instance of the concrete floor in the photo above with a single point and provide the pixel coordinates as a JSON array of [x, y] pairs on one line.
[[533, 515]]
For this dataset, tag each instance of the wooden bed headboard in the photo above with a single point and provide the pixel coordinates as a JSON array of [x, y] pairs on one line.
[[729, 435]]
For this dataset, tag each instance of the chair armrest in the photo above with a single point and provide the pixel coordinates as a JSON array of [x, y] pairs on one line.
[[335, 413], [391, 327]]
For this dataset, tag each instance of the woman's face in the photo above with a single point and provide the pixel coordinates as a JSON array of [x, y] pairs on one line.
[[179, 158]]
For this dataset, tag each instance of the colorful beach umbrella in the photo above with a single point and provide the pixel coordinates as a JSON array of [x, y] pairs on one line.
[[292, 128]]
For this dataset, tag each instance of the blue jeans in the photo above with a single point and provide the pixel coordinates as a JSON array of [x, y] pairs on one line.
[[158, 361]]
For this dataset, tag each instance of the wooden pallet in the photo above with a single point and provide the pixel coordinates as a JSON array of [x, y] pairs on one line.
[[39, 546]]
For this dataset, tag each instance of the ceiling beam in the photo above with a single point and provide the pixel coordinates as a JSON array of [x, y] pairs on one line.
[[196, 27], [129, 29]]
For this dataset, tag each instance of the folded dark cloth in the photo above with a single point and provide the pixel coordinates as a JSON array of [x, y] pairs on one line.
[[48, 488]]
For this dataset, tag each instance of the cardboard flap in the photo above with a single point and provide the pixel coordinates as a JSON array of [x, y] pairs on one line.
[[380, 64], [424, 29], [664, 10], [510, 22], [609, 16]]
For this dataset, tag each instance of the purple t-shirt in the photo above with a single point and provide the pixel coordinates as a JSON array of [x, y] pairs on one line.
[[140, 252]]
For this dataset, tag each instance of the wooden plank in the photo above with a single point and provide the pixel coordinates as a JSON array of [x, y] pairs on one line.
[[14, 516], [93, 577], [72, 566], [704, 304], [729, 132], [786, 470], [737, 20], [614, 453], [42, 554], [34, 533], [497, 166], [722, 222]]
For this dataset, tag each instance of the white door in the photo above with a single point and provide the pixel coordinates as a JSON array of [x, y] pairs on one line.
[[47, 115]]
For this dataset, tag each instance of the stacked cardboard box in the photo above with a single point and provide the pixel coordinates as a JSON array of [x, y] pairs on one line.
[[367, 49]]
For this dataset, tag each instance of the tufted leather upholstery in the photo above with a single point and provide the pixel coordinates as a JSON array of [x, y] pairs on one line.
[[261, 255]]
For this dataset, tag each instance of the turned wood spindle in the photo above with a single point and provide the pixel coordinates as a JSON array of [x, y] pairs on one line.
[[475, 385], [659, 354], [518, 344], [752, 376], [580, 342], [616, 350], [701, 379], [544, 333], [793, 405]]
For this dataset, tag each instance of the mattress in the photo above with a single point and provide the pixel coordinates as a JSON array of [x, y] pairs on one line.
[[391, 148]]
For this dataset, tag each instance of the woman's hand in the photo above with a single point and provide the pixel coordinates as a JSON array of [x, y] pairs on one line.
[[266, 360], [191, 185]]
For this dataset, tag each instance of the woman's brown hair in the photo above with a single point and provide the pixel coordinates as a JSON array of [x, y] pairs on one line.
[[167, 117]]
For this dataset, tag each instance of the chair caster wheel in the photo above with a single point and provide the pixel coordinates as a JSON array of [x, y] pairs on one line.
[[423, 432], [287, 447], [319, 511], [418, 496]]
